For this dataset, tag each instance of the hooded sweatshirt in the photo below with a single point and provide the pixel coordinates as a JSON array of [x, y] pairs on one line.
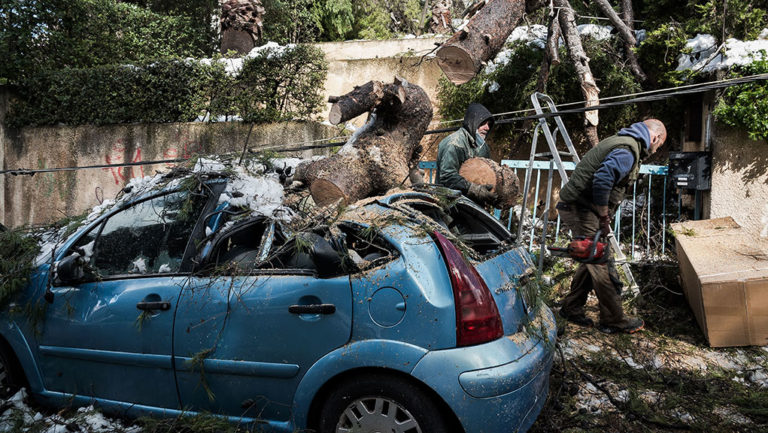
[[460, 146], [617, 164]]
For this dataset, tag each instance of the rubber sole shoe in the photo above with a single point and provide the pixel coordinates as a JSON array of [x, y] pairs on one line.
[[577, 319], [630, 326]]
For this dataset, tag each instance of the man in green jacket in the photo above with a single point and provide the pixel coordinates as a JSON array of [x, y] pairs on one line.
[[468, 142], [587, 201]]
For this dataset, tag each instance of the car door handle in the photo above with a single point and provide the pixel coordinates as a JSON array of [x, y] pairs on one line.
[[151, 306], [312, 309]]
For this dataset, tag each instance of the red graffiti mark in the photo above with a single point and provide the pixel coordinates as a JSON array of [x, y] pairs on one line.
[[184, 149], [116, 155]]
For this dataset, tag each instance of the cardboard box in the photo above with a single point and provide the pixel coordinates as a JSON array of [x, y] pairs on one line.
[[724, 271]]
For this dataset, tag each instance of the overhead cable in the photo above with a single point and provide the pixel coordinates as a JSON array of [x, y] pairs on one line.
[[647, 96]]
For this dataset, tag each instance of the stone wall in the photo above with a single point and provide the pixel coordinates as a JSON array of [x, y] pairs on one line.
[[47, 197], [739, 179]]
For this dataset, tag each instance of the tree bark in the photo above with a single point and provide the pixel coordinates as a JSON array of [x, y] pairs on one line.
[[581, 63], [463, 55], [625, 29], [379, 157]]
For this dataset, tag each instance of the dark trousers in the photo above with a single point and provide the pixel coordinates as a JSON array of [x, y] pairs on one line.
[[602, 278]]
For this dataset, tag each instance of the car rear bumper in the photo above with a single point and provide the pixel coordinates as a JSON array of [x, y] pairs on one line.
[[499, 386]]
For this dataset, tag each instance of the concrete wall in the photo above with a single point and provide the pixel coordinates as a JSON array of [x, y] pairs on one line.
[[739, 179], [48, 197]]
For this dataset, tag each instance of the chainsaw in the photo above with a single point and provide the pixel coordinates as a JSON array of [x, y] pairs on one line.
[[584, 250]]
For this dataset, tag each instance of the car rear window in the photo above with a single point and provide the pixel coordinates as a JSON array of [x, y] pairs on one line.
[[475, 227]]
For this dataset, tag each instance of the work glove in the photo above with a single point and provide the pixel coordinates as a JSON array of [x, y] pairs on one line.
[[605, 219], [481, 193]]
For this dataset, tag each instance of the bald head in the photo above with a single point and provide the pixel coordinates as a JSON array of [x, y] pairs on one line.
[[658, 133]]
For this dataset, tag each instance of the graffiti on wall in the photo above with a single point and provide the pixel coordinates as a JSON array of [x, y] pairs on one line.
[[116, 155], [184, 148]]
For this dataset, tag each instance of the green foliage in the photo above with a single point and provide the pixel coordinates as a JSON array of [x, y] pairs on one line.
[[162, 91], [517, 81], [659, 52], [381, 20], [277, 86], [290, 21], [743, 19], [746, 106], [272, 86], [16, 262], [85, 33], [334, 18], [199, 423]]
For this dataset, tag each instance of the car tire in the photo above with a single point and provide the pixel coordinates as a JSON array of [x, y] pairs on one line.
[[11, 377], [380, 403]]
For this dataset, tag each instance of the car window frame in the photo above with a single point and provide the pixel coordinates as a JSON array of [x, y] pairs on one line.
[[212, 193]]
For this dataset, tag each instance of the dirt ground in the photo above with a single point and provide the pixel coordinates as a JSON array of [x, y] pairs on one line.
[[663, 379]]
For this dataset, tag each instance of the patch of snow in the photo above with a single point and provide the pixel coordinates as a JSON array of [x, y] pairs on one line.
[[682, 416], [88, 250], [759, 378], [408, 36], [595, 31], [375, 154], [459, 23], [501, 59], [534, 36], [262, 195], [205, 165], [704, 55], [233, 66], [139, 266], [348, 146], [164, 268], [493, 87]]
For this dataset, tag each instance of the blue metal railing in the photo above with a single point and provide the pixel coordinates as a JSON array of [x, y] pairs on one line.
[[650, 170]]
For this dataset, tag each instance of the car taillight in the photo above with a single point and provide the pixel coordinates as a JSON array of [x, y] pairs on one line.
[[477, 318]]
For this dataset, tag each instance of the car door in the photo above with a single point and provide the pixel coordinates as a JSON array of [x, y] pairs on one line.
[[109, 337], [246, 333]]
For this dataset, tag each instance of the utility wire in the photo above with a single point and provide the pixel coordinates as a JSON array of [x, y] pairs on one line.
[[648, 96]]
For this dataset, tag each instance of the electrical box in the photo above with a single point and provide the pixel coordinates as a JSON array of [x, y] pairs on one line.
[[691, 170]]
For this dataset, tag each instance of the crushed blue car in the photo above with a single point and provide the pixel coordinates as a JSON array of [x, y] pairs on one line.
[[411, 312]]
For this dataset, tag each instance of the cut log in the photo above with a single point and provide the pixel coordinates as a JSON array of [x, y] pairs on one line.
[[379, 157], [485, 171], [463, 55]]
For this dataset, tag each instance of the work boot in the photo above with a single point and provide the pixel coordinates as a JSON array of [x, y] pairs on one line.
[[629, 325], [580, 319]]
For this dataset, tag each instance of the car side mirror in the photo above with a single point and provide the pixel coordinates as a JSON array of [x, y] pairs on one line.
[[70, 269]]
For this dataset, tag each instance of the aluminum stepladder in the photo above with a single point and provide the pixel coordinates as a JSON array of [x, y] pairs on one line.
[[555, 160]]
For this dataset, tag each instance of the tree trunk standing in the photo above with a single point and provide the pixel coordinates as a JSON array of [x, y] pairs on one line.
[[625, 29], [378, 159], [581, 62], [463, 55]]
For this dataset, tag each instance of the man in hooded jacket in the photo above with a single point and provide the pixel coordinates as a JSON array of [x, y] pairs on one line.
[[587, 201], [468, 142]]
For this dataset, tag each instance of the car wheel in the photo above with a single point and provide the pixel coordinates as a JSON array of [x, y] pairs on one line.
[[380, 403], [11, 378]]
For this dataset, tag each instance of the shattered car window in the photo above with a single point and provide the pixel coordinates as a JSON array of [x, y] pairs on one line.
[[147, 238], [475, 228]]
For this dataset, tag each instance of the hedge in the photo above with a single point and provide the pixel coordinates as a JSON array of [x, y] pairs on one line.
[[279, 83]]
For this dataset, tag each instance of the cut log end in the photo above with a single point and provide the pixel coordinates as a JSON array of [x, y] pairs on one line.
[[457, 64], [334, 116], [505, 182], [325, 192]]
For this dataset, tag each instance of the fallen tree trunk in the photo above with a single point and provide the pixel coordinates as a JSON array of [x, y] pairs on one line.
[[485, 171], [377, 158], [463, 55]]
